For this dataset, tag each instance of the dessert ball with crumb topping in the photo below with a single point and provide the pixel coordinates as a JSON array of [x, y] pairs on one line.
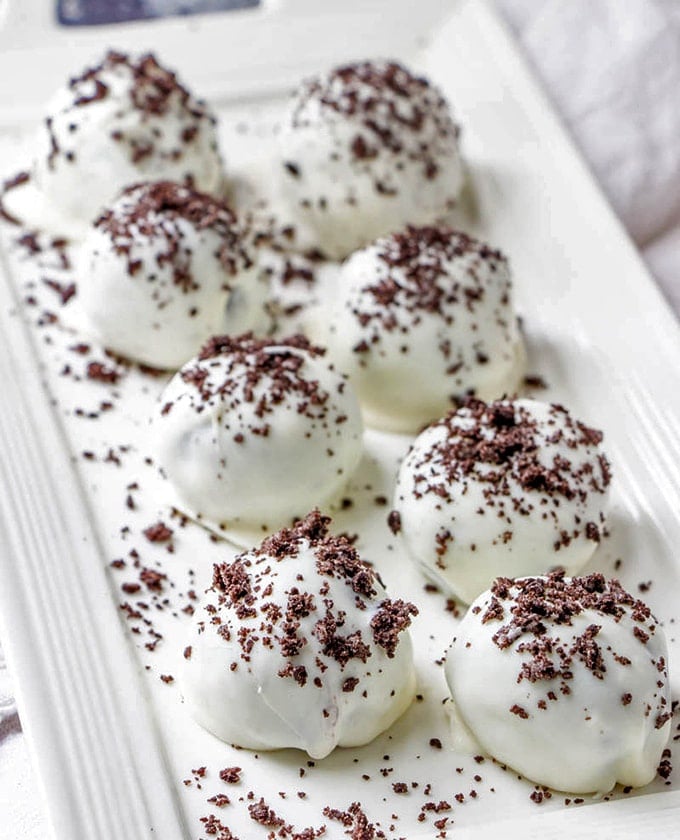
[[128, 119], [298, 645], [252, 433], [164, 269], [564, 680], [509, 488], [419, 319], [366, 149]]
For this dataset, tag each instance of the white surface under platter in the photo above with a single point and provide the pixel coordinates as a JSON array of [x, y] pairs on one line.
[[111, 740]]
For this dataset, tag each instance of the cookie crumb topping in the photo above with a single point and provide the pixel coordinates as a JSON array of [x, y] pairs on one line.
[[531, 612], [502, 447], [152, 212], [392, 109], [245, 590]]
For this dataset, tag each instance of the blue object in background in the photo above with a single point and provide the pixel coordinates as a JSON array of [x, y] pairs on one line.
[[98, 12]]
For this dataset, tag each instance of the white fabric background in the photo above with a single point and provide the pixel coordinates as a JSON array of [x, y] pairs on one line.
[[612, 68]]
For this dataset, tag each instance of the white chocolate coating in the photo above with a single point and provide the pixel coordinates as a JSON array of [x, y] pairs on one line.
[[298, 646], [577, 701], [126, 120], [163, 270], [367, 149], [511, 488], [252, 433], [419, 319]]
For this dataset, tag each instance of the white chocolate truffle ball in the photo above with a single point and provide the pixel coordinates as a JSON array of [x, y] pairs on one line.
[[419, 319], [299, 646], [366, 149], [252, 433], [509, 488], [126, 120], [164, 269], [565, 681]]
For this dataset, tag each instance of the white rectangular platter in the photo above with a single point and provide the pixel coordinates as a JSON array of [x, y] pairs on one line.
[[117, 754]]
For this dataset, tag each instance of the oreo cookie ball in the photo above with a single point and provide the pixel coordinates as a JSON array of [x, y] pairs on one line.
[[163, 269], [418, 320], [565, 680], [366, 149], [127, 119], [252, 433], [298, 645], [510, 488]]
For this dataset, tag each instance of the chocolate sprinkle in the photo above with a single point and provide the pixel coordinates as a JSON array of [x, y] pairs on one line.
[[231, 775], [355, 822], [7, 185]]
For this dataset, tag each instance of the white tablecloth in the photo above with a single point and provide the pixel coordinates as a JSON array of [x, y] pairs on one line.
[[612, 68]]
